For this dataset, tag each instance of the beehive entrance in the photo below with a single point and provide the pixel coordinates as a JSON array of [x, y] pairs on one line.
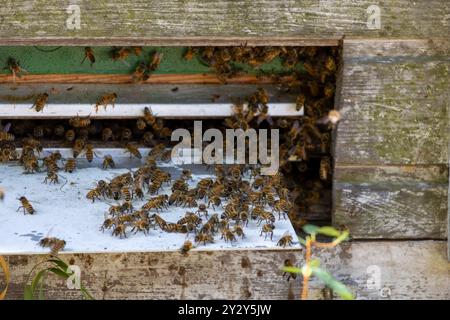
[[177, 92]]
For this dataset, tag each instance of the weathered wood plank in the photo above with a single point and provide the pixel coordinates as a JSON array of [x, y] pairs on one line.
[[394, 101], [408, 270], [154, 22], [392, 202]]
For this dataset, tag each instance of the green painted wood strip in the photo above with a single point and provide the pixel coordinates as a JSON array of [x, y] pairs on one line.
[[67, 60]]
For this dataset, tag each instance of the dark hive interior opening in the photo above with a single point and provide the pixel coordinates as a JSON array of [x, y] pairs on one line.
[[304, 76]]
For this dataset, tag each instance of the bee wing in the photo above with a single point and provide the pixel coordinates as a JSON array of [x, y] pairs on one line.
[[7, 127]]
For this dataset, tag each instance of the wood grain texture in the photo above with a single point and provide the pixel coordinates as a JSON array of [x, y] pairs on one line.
[[394, 101], [409, 269], [144, 21], [392, 202]]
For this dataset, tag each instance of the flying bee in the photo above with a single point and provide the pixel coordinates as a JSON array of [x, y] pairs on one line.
[[26, 206], [89, 54], [4, 135], [78, 122], [54, 244], [140, 73], [40, 102], [325, 168], [14, 66], [155, 61], [332, 117], [187, 245], [105, 100], [2, 194], [133, 150], [70, 135], [107, 134], [108, 162], [285, 240], [70, 165], [267, 229]]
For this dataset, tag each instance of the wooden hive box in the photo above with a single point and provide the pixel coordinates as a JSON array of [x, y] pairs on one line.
[[390, 154]]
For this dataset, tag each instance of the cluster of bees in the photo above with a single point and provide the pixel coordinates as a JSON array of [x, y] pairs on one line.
[[241, 199], [310, 73]]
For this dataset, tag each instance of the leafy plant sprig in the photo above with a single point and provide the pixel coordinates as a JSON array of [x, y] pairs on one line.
[[35, 290], [312, 266]]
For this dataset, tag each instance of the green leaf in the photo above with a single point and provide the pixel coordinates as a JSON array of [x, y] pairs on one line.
[[86, 294], [291, 269], [28, 293], [311, 229], [59, 263], [329, 231], [59, 272], [36, 280], [41, 288], [332, 283]]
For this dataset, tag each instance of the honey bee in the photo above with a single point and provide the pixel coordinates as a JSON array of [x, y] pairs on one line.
[[149, 117], [52, 177], [108, 162], [204, 237], [90, 153], [126, 193], [133, 150], [140, 73], [38, 131], [189, 53], [239, 231], [120, 53], [202, 209], [332, 117], [14, 66], [142, 224], [282, 206], [55, 244], [2, 194], [228, 235], [141, 124], [288, 263], [325, 168], [78, 122], [107, 134], [94, 194], [300, 102], [126, 134], [267, 229], [78, 147], [137, 51], [120, 231], [155, 61], [89, 54], [59, 130], [40, 102], [70, 135], [26, 206], [4, 135], [107, 224], [285, 240], [70, 165], [187, 245], [105, 100]]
